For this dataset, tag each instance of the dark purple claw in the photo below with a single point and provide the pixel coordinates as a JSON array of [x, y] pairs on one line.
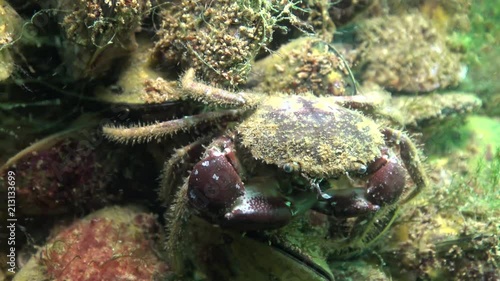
[[347, 203], [258, 210], [214, 183], [216, 190], [386, 185], [386, 180]]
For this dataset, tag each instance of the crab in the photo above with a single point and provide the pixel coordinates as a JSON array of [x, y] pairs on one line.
[[280, 155]]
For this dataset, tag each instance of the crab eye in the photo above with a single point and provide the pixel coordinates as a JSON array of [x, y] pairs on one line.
[[362, 169], [291, 167], [288, 168]]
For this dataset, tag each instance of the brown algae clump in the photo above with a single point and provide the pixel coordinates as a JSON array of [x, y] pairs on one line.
[[219, 39], [406, 53]]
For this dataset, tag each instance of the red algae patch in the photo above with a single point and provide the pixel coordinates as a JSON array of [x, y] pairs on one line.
[[114, 243]]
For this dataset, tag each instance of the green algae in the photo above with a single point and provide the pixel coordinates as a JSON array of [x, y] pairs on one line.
[[479, 189], [483, 54], [475, 147], [452, 137], [480, 132]]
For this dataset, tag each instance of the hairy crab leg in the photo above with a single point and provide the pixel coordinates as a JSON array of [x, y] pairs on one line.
[[410, 156], [181, 157], [177, 218], [212, 95], [145, 133]]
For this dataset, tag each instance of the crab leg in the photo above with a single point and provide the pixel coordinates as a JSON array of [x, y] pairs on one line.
[[212, 95], [177, 218], [140, 133], [180, 158], [410, 156]]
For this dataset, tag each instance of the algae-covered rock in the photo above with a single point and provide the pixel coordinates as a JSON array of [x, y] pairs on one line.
[[66, 171], [95, 33], [218, 38], [406, 53], [304, 65], [10, 27], [446, 15], [115, 243], [435, 107], [139, 82], [437, 242]]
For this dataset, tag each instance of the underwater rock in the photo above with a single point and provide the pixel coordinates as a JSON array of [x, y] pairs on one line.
[[115, 243], [424, 109], [305, 64], [10, 28], [434, 244], [62, 172], [446, 15], [139, 82], [433, 110], [341, 12], [437, 240], [407, 54], [96, 33], [219, 39], [323, 17]]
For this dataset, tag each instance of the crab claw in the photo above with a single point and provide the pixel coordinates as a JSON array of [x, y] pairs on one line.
[[386, 184], [261, 207], [346, 203], [214, 184], [216, 190]]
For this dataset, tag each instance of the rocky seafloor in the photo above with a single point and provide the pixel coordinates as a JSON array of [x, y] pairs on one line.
[[96, 185]]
